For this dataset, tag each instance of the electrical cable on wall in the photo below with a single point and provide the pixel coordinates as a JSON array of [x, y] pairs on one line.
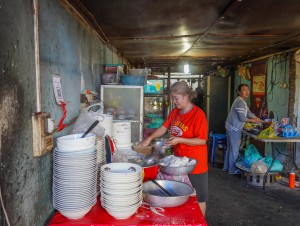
[[4, 211], [275, 80], [61, 126]]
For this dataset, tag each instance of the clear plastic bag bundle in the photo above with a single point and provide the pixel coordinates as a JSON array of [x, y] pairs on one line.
[[87, 118], [259, 167]]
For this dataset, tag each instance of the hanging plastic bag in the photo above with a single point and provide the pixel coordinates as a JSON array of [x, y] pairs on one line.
[[259, 167], [268, 132], [277, 166], [251, 156], [87, 118]]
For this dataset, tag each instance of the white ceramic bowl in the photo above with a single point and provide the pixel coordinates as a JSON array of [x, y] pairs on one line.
[[71, 189], [75, 214], [76, 184], [121, 168], [121, 214], [120, 180], [88, 167], [73, 205], [74, 195], [123, 197], [119, 192], [77, 153], [89, 154], [120, 203], [122, 208], [75, 142], [75, 178], [121, 186]]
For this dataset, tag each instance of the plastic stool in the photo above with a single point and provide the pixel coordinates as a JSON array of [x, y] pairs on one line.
[[215, 141]]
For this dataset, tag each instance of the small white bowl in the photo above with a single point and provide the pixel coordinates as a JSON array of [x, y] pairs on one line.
[[75, 214], [87, 151], [121, 214], [121, 168]]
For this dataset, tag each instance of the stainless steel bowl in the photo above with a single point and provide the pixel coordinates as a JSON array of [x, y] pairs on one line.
[[180, 170], [155, 196]]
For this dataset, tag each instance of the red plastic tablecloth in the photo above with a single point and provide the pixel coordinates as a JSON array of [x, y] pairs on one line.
[[186, 214]]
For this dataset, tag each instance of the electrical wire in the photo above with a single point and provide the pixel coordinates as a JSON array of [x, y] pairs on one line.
[[275, 80], [67, 124], [2, 204]]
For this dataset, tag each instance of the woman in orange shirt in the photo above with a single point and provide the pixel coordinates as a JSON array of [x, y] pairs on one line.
[[189, 129]]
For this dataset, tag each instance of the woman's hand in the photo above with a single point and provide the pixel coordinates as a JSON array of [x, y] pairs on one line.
[[172, 141], [145, 142], [257, 120]]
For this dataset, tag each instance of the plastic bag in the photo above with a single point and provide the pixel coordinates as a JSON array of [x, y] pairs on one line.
[[251, 156], [86, 119], [267, 133], [277, 166], [259, 167]]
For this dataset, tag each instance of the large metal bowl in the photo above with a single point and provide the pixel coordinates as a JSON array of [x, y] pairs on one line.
[[155, 196], [171, 170]]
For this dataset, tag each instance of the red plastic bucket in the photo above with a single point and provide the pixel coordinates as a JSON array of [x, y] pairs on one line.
[[150, 172]]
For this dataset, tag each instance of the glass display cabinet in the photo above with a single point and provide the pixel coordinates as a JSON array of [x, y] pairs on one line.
[[125, 103]]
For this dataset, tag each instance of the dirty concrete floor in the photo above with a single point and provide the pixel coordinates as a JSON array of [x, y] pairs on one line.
[[232, 202]]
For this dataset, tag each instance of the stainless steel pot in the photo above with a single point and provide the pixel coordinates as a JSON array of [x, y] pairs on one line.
[[180, 170]]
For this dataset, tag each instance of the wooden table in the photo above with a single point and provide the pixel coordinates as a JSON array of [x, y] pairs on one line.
[[273, 140], [186, 214]]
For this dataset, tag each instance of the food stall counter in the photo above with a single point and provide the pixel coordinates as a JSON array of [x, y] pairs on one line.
[[186, 214]]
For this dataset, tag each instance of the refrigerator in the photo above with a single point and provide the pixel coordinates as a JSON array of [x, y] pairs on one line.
[[216, 101]]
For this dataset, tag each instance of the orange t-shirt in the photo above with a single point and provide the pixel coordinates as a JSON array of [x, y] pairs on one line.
[[190, 125]]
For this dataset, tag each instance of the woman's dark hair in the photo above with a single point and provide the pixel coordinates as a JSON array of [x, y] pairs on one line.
[[240, 87]]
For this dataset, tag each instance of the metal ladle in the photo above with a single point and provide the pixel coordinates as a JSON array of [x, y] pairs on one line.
[[90, 128]]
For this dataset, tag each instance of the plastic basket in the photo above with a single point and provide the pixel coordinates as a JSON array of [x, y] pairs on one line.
[[146, 150], [133, 80]]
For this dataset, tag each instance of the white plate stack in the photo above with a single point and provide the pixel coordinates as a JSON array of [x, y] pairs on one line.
[[121, 189], [122, 134], [75, 175]]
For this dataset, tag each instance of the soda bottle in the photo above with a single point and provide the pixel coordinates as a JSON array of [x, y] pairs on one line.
[[292, 179]]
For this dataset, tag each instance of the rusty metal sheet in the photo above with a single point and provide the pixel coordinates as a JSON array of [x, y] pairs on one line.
[[205, 32]]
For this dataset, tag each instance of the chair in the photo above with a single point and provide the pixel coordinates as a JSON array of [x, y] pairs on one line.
[[216, 140]]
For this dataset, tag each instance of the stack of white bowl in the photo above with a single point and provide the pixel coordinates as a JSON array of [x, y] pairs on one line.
[[121, 189], [101, 159], [101, 155], [75, 175]]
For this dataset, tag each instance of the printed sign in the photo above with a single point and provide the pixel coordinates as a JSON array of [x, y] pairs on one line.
[[58, 92], [259, 85]]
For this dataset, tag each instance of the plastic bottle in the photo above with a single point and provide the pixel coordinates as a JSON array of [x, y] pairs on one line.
[[292, 179]]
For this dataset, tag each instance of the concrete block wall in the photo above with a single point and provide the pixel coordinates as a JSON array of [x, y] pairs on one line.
[[68, 48]]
